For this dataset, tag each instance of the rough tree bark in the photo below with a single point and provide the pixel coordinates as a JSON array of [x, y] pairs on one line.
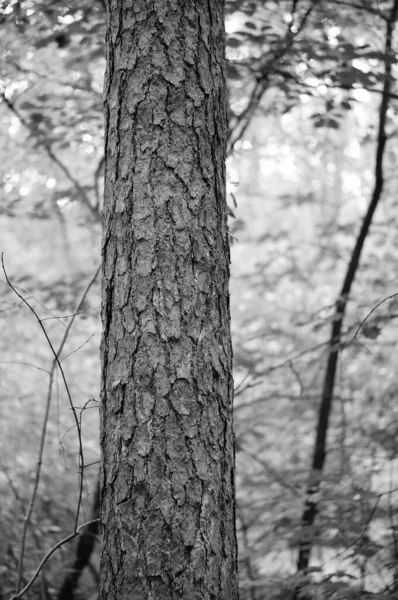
[[168, 502]]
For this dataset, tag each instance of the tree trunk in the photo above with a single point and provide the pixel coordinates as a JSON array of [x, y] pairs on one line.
[[320, 448], [168, 498]]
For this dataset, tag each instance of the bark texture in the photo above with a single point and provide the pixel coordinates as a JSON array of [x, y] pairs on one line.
[[168, 498]]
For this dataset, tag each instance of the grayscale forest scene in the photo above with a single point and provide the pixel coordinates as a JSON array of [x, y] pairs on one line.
[[199, 300]]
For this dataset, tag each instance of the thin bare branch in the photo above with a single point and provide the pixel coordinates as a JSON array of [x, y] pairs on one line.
[[262, 80], [48, 555], [326, 402], [368, 315], [55, 363], [55, 159]]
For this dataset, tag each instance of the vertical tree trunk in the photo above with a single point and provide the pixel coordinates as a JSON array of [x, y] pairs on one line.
[[168, 504], [320, 448]]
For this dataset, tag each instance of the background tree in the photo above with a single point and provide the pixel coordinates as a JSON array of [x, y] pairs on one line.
[[320, 446], [168, 473]]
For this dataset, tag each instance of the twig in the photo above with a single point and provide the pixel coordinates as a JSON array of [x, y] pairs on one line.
[[309, 89], [50, 153], [24, 364], [367, 317], [320, 446], [78, 348], [247, 553], [47, 556], [20, 501], [269, 469], [246, 387], [244, 118], [66, 316], [55, 363], [362, 8], [28, 296], [289, 360]]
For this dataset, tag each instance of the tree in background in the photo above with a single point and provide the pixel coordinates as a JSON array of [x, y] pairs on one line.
[[335, 343], [168, 474]]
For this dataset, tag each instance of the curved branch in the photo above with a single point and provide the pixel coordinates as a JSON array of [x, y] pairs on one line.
[[50, 153], [55, 363], [319, 452], [261, 85], [47, 556]]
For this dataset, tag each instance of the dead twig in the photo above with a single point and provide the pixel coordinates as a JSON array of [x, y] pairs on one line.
[[55, 363]]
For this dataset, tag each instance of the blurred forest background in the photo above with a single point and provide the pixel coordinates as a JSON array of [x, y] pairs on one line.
[[313, 101]]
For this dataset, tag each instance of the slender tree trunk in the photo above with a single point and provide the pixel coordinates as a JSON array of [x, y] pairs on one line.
[[319, 454], [168, 498]]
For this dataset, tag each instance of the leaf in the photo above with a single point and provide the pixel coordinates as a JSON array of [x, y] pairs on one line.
[[327, 122], [258, 38], [314, 570], [234, 42], [305, 534], [340, 573], [233, 72], [27, 106], [349, 77], [371, 330], [346, 104], [368, 551]]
